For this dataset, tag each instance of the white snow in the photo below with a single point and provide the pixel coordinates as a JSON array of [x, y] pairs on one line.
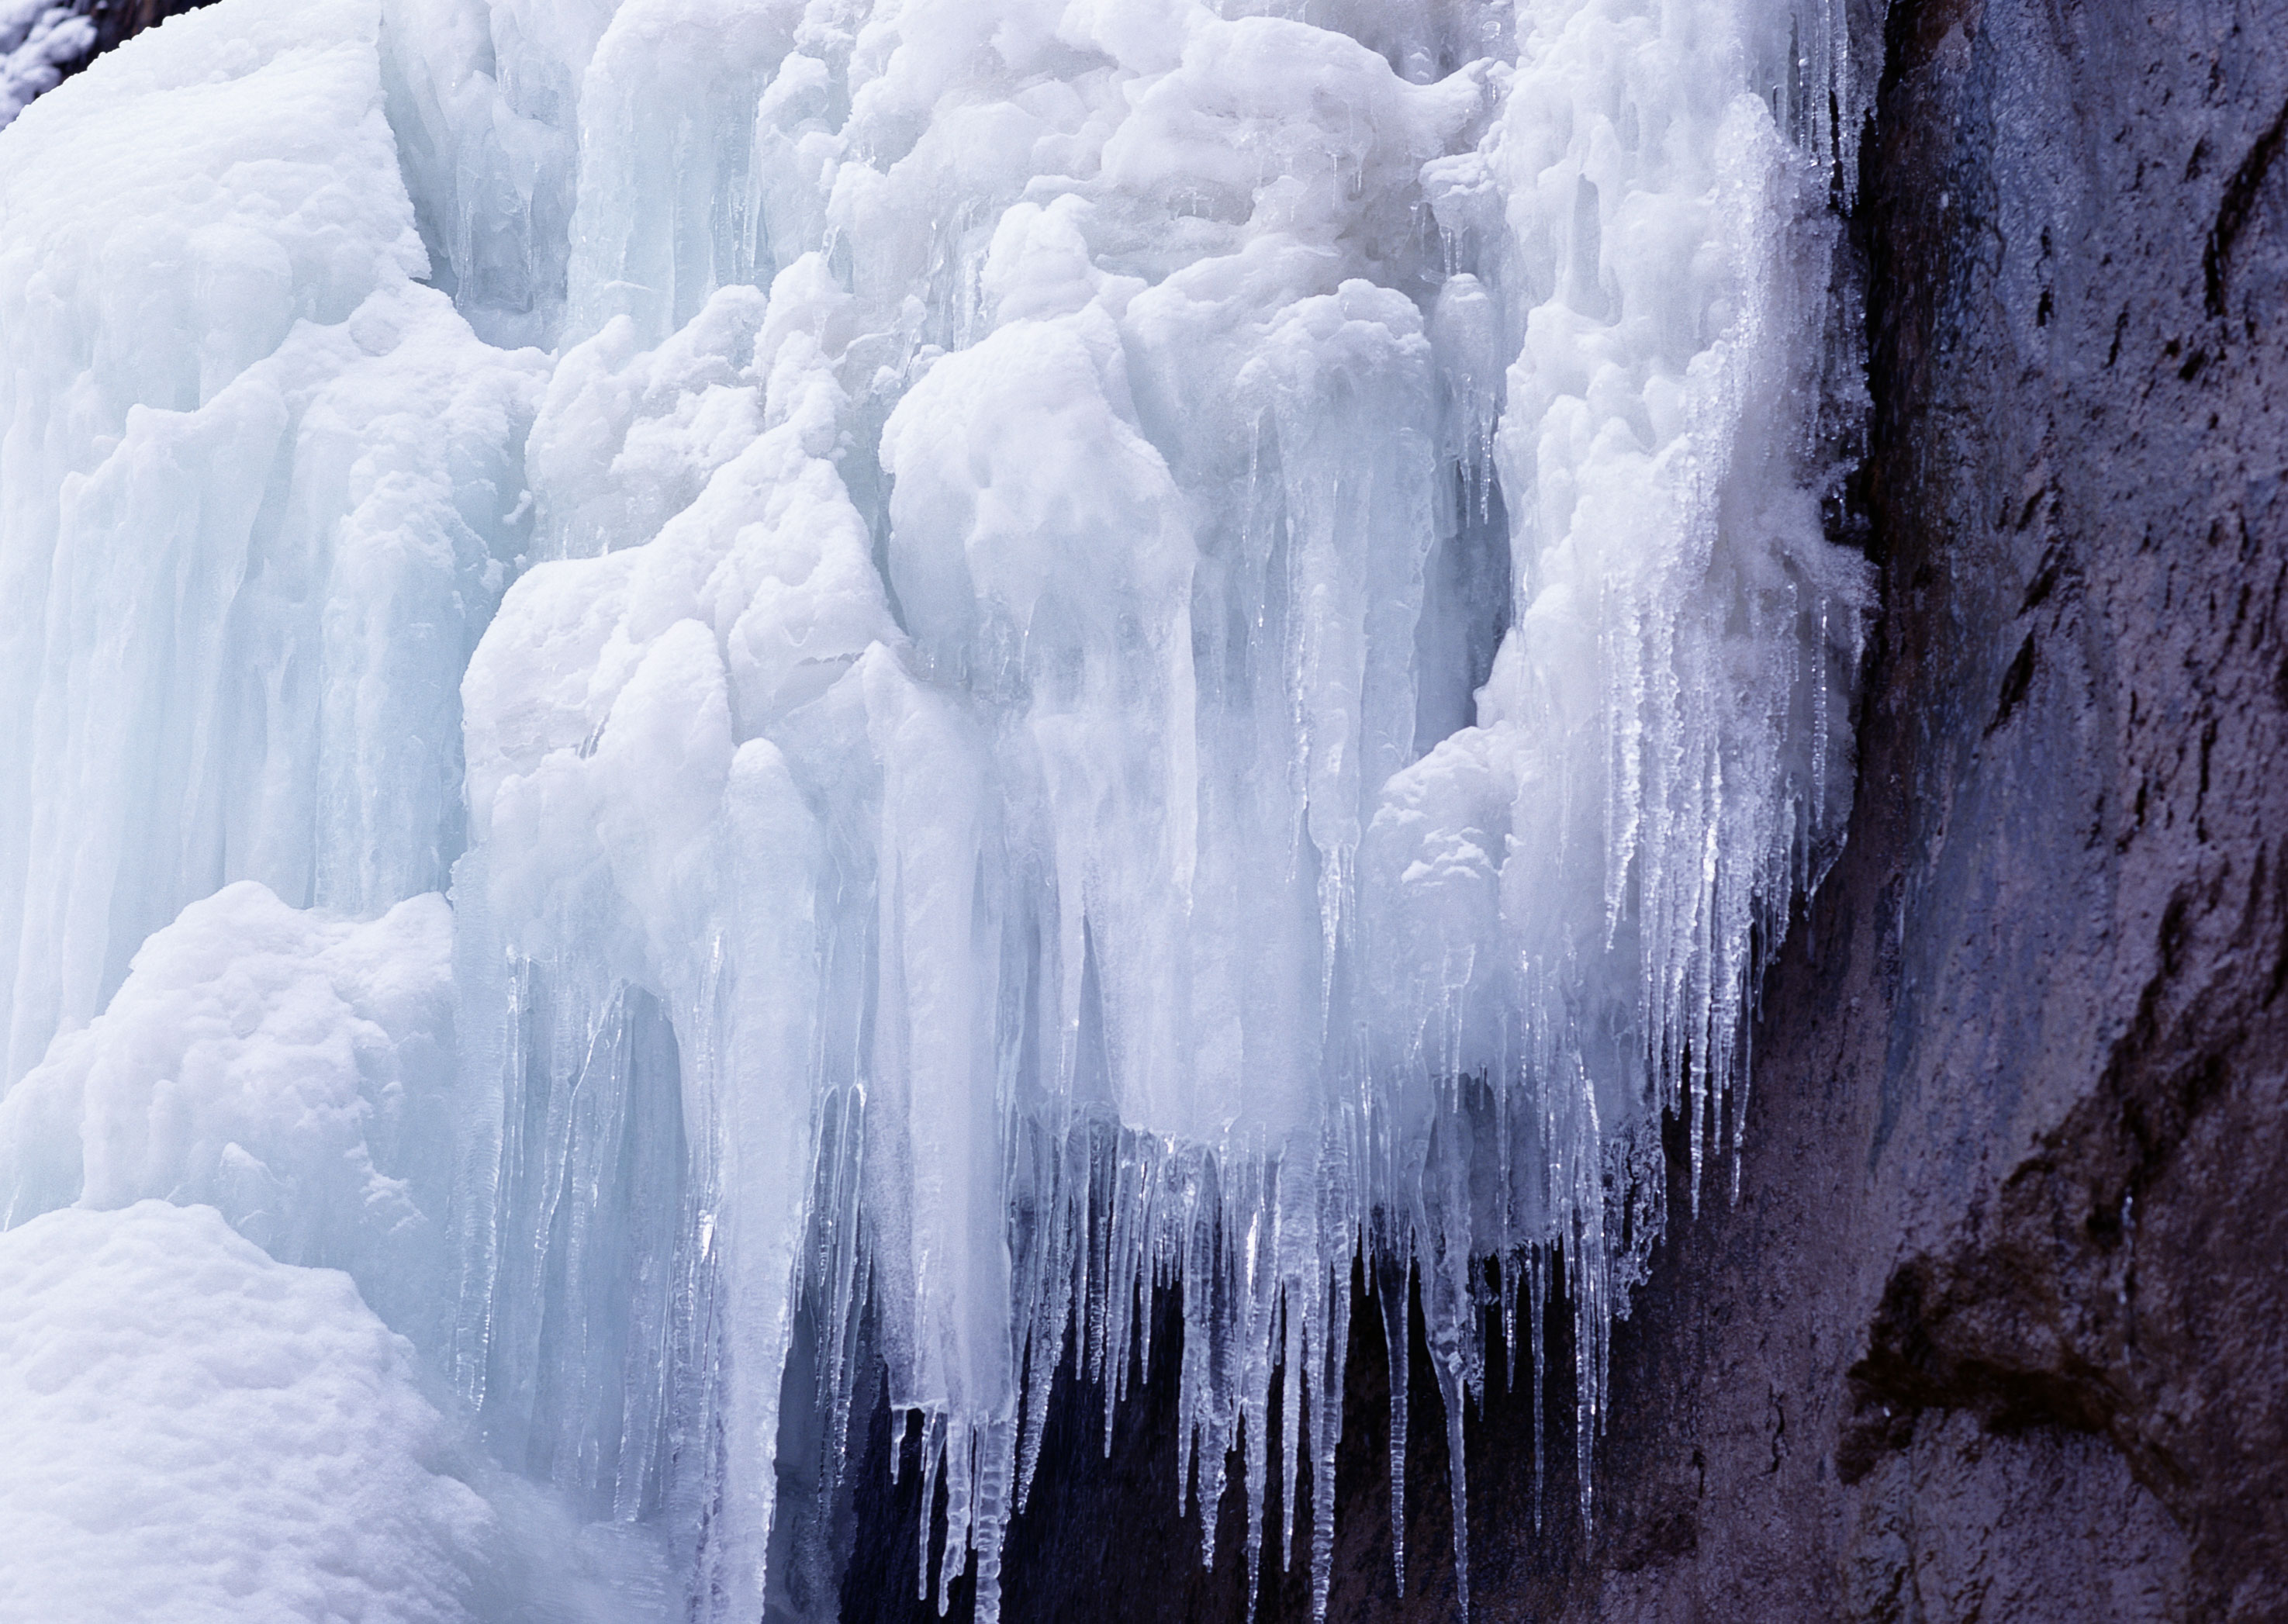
[[1115, 642], [196, 1433]]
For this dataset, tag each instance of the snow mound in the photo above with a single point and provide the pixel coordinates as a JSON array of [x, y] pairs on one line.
[[199, 1433]]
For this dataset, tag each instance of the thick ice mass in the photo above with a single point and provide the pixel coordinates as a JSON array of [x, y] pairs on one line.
[[256, 496], [1100, 642]]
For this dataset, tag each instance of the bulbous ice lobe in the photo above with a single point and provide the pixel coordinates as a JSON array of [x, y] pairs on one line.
[[291, 1070]]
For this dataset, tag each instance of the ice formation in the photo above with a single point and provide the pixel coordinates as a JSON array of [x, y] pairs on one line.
[[290, 1069], [1045, 646]]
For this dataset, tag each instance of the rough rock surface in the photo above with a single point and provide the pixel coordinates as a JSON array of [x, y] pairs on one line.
[[1998, 1327]]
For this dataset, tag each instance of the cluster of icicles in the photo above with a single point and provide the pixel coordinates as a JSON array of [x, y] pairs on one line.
[[684, 678]]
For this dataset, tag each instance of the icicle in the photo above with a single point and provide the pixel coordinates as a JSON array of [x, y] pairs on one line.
[[932, 1429], [1326, 1404], [1391, 1295], [1458, 1477]]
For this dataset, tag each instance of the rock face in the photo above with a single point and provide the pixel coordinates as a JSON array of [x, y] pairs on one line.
[[2000, 1327], [1997, 1325]]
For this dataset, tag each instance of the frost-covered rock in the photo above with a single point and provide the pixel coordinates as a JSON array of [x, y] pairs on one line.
[[39, 41]]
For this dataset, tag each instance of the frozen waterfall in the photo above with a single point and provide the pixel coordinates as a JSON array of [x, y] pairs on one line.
[[672, 666]]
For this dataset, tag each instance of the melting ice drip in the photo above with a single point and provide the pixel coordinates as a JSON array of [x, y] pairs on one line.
[[1113, 645]]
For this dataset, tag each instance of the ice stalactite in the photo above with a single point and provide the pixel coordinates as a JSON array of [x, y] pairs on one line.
[[1119, 644]]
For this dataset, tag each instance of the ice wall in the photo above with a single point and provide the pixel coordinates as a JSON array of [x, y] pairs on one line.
[[1119, 643], [258, 492]]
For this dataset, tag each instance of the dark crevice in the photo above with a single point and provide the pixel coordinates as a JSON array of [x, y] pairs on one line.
[[2234, 208]]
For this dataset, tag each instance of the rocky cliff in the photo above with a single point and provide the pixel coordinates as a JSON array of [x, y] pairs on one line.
[[2000, 1327]]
